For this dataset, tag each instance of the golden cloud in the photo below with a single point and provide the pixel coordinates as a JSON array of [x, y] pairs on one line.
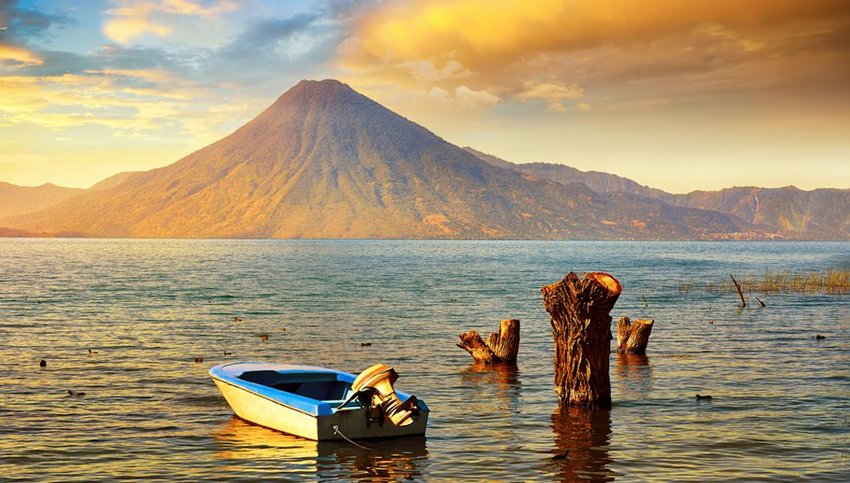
[[14, 55], [123, 29], [479, 33], [104, 98], [553, 94], [610, 54], [134, 19]]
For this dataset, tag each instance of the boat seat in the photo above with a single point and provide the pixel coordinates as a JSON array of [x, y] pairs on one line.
[[323, 391], [274, 378]]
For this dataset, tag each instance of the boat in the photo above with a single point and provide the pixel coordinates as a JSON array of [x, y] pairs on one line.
[[319, 403]]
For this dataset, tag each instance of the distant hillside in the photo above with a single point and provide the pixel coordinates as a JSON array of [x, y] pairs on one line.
[[326, 162], [12, 233], [818, 214], [16, 200], [112, 181], [790, 212], [595, 180]]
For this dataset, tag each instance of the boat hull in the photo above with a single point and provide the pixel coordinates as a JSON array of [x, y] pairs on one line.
[[353, 423]]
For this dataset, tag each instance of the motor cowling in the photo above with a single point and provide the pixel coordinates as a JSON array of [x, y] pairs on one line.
[[380, 378]]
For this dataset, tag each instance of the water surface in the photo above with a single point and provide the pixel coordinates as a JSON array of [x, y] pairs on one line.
[[781, 398]]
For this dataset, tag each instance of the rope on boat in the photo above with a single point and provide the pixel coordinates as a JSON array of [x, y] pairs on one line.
[[337, 431]]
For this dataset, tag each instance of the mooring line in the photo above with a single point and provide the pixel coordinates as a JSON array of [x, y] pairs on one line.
[[337, 431]]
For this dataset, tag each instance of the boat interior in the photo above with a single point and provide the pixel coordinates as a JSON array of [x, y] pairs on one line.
[[325, 387]]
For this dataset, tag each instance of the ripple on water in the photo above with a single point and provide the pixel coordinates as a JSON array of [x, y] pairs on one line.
[[780, 403]]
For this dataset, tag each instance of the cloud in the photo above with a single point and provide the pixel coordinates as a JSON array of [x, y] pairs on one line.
[[192, 92], [131, 19], [131, 103], [19, 24], [553, 94], [472, 98], [481, 33], [274, 53], [187, 7], [561, 52], [11, 55], [427, 72], [271, 37], [127, 24]]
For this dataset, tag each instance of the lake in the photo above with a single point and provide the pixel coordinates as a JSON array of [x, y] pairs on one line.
[[148, 308]]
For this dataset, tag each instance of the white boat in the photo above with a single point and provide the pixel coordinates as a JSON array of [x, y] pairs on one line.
[[319, 403]]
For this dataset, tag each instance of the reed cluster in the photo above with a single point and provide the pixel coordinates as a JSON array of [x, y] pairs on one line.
[[830, 281]]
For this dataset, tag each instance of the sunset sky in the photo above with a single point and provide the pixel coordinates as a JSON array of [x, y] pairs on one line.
[[675, 94]]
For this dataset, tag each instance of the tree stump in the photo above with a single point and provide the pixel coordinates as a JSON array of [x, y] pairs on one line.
[[633, 337], [581, 328], [501, 347]]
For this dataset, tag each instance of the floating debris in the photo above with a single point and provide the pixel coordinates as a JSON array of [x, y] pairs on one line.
[[820, 337], [228, 353], [43, 363], [92, 352], [237, 319], [707, 397], [75, 393], [365, 344], [264, 337], [199, 359]]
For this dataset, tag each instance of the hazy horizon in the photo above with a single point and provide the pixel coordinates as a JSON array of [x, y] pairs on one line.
[[699, 97]]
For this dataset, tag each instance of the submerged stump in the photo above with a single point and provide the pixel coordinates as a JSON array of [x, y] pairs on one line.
[[581, 328], [633, 337], [740, 292], [501, 347]]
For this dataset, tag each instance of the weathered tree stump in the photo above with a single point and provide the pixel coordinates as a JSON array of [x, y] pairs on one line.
[[501, 347], [633, 337], [581, 328]]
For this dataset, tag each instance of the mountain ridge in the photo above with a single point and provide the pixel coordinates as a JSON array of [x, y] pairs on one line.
[[16, 200], [324, 161], [823, 213]]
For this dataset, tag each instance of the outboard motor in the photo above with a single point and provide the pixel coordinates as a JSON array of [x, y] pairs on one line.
[[380, 378]]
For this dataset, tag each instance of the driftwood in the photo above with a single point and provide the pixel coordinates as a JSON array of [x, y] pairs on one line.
[[501, 347], [633, 337], [740, 293], [581, 328]]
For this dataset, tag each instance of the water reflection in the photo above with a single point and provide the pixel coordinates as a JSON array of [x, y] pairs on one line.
[[500, 382], [385, 460], [237, 439], [581, 444], [634, 374]]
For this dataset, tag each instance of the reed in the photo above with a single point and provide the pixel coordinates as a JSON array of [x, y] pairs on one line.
[[832, 281], [829, 281]]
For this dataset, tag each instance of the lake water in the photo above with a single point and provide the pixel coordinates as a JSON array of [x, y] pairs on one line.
[[781, 398]]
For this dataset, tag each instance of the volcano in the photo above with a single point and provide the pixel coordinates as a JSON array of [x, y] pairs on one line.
[[324, 161]]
